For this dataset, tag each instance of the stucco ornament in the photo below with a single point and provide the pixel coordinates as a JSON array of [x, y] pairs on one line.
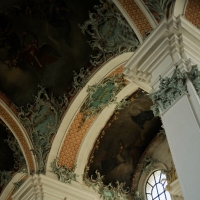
[[194, 76], [170, 89], [149, 164], [80, 80], [107, 192], [42, 120], [159, 7], [124, 103], [64, 175], [111, 34], [20, 162], [101, 95], [5, 177], [18, 184], [137, 196]]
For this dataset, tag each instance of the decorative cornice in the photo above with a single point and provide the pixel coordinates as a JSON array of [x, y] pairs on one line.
[[111, 34], [170, 89], [64, 174]]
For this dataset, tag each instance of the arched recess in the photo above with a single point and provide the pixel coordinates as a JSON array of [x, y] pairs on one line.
[[19, 132], [73, 110], [95, 129], [179, 8]]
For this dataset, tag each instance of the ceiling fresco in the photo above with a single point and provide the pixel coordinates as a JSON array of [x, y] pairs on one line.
[[9, 148], [123, 140], [41, 43]]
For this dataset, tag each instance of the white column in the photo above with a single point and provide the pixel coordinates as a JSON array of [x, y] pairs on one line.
[[174, 42]]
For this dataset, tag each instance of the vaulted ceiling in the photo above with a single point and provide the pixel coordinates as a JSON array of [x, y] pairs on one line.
[[62, 86]]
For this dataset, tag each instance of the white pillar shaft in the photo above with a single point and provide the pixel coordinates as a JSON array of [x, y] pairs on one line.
[[183, 134]]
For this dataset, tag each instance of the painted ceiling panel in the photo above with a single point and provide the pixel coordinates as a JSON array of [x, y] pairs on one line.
[[123, 140]]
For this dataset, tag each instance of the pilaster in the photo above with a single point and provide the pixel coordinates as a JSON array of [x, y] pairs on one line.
[[172, 51]]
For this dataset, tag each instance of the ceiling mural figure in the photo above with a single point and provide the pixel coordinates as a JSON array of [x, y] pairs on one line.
[[40, 43], [122, 142]]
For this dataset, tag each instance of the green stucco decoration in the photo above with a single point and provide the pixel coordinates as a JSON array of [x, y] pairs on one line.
[[64, 175], [18, 184], [122, 104], [107, 192], [42, 120], [149, 165], [101, 95], [20, 162], [158, 7], [170, 89], [194, 76], [5, 177], [111, 34], [80, 80]]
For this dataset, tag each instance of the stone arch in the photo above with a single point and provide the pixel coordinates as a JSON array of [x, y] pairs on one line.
[[73, 112], [11, 121]]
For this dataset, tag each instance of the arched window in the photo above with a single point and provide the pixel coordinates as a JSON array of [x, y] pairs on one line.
[[155, 187]]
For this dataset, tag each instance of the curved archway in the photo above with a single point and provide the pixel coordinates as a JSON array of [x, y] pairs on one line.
[[71, 114], [20, 134]]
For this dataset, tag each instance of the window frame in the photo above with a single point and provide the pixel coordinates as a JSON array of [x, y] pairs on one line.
[[159, 193]]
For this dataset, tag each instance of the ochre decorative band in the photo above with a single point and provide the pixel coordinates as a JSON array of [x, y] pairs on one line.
[[136, 15], [192, 13], [76, 133], [9, 121]]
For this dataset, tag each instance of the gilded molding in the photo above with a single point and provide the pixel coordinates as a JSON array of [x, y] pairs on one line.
[[136, 15], [10, 122]]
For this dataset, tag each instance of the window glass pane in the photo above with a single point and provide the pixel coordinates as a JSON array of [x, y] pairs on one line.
[[164, 184], [149, 197], [168, 195], [151, 180], [155, 187], [162, 196], [160, 188], [148, 188], [154, 192], [157, 176]]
